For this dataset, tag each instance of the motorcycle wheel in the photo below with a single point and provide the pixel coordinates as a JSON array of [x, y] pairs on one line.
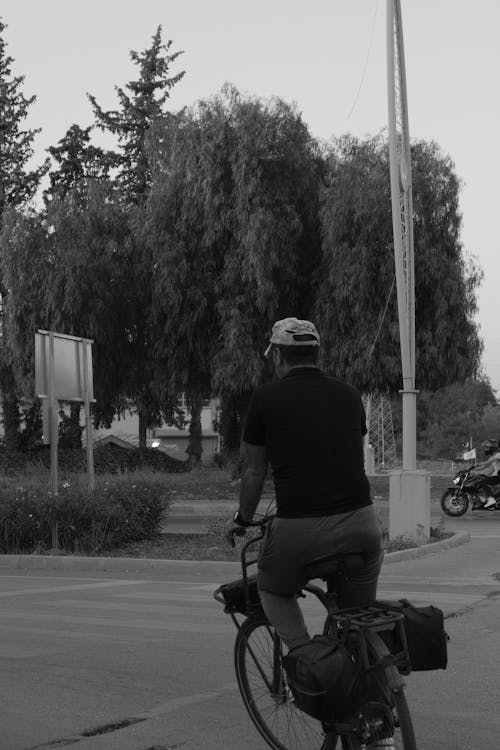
[[454, 503]]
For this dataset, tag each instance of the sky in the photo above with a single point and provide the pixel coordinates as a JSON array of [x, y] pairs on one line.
[[327, 56]]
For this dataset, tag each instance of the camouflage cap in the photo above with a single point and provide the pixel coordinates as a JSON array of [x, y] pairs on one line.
[[293, 332]]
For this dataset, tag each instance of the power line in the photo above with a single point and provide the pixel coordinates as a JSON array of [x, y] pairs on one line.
[[363, 75], [382, 318]]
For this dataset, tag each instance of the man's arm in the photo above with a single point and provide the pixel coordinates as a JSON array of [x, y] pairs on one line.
[[252, 483], [480, 468]]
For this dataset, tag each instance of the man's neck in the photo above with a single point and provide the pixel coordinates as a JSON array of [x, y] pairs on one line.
[[285, 369]]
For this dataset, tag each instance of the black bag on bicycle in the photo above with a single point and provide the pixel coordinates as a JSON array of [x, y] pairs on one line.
[[325, 681], [425, 634], [234, 596]]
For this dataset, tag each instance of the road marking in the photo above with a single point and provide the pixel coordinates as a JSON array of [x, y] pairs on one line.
[[62, 621], [81, 587], [26, 575], [428, 595], [160, 609], [176, 703], [486, 580], [165, 596]]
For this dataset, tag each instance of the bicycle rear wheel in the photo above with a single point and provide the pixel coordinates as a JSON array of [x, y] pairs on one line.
[[267, 697], [395, 699], [404, 737]]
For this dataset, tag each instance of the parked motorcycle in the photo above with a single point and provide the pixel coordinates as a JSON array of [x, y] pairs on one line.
[[469, 489]]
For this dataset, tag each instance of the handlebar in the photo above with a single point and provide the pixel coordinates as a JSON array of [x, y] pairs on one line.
[[242, 530]]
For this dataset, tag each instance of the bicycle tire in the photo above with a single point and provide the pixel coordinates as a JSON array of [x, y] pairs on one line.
[[280, 723], [404, 735]]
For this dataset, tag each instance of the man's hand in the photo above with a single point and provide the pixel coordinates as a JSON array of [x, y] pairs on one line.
[[231, 529]]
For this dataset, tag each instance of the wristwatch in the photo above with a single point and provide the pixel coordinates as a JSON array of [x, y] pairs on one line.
[[238, 519]]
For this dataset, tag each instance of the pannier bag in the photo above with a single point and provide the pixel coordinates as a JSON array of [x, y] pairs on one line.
[[325, 681], [425, 634], [234, 595]]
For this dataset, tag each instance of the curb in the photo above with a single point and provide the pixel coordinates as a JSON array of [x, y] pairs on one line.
[[213, 568], [458, 538]]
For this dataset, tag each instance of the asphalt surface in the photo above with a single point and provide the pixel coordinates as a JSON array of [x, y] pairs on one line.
[[131, 659]]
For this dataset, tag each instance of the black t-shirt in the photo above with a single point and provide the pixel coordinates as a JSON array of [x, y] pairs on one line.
[[312, 426]]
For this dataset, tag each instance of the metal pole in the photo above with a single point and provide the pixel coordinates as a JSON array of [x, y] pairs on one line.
[[53, 432], [402, 218], [409, 489], [88, 420]]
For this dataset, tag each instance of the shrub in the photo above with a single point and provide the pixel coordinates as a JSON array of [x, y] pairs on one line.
[[121, 509], [108, 459]]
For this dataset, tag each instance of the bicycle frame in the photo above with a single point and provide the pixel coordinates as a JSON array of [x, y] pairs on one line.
[[362, 629], [276, 683], [364, 622]]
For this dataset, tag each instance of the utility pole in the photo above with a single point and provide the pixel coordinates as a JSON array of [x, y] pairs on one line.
[[409, 489]]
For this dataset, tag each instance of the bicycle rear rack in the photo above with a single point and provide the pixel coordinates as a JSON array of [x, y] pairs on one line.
[[376, 619]]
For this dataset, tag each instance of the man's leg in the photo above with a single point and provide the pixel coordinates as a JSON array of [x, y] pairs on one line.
[[361, 586], [280, 579], [286, 616]]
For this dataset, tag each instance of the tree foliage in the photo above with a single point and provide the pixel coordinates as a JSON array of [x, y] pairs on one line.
[[232, 218], [89, 286], [18, 184], [141, 104], [356, 273], [178, 250], [449, 417], [78, 163]]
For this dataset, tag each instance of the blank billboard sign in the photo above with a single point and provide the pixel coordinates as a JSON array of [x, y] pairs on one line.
[[71, 356]]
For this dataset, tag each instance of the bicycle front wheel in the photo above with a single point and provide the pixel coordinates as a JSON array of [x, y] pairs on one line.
[[267, 697]]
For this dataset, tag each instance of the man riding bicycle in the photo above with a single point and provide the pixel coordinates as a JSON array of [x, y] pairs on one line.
[[309, 428]]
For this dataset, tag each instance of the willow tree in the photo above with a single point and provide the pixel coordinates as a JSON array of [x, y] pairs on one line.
[[184, 256], [356, 300], [235, 222], [89, 288]]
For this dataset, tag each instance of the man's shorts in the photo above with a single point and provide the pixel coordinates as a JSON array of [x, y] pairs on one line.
[[292, 543]]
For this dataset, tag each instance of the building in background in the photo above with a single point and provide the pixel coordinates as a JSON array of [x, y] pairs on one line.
[[171, 440]]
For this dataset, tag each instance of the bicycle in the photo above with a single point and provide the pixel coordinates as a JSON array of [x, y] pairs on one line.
[[262, 680]]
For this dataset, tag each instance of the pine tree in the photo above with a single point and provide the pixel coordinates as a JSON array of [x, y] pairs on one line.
[[77, 162], [141, 104], [18, 184]]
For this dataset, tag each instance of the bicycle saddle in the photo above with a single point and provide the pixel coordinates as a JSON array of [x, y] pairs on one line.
[[330, 565]]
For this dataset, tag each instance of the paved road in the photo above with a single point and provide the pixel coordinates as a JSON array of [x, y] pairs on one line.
[[185, 518], [85, 653]]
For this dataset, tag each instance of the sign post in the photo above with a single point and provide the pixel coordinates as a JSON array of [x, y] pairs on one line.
[[53, 436], [53, 418], [63, 372], [88, 420]]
